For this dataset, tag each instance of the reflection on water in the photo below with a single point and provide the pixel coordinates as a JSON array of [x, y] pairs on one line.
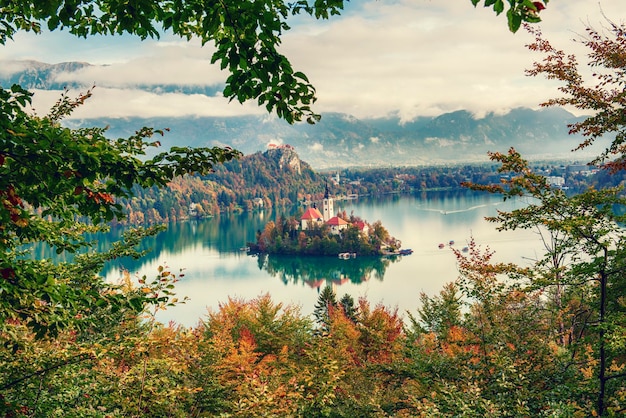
[[317, 272]]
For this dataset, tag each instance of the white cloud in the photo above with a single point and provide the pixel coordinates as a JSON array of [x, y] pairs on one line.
[[316, 147], [172, 65], [10, 67], [421, 58], [407, 57], [275, 141], [128, 103]]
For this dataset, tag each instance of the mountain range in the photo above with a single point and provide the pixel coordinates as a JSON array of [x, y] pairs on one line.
[[340, 140]]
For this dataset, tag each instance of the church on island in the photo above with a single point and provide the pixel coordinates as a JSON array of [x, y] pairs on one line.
[[319, 231], [313, 217]]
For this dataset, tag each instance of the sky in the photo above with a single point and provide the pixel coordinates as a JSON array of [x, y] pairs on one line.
[[379, 58]]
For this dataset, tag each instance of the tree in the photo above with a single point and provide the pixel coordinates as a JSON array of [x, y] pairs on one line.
[[45, 376], [592, 239], [350, 310], [587, 224], [438, 314], [256, 347], [601, 94], [57, 183], [326, 304]]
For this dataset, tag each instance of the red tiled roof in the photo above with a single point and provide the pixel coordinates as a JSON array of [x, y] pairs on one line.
[[312, 214], [360, 224], [335, 220]]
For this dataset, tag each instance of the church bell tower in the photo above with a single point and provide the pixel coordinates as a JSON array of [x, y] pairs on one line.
[[327, 205]]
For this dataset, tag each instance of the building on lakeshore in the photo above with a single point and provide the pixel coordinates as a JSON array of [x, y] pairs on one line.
[[556, 181], [313, 217]]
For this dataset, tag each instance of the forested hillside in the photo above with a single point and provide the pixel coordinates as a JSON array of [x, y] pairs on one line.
[[274, 177]]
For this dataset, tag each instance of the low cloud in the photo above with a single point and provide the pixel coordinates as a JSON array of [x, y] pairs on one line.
[[119, 103], [404, 57], [171, 68], [426, 58]]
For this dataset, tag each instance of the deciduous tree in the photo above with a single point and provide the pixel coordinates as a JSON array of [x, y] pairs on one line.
[[56, 184], [600, 94], [590, 235]]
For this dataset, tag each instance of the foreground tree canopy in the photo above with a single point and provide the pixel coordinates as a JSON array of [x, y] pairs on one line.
[[581, 273], [597, 90]]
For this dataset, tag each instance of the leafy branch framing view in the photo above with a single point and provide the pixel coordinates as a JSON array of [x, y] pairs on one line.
[[548, 341]]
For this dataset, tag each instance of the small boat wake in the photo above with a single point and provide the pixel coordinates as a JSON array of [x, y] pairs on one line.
[[471, 208]]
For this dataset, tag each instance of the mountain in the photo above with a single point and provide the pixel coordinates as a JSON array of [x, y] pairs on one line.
[[38, 75], [338, 140], [275, 177]]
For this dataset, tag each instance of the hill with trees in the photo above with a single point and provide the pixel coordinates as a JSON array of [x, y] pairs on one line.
[[274, 178], [278, 178]]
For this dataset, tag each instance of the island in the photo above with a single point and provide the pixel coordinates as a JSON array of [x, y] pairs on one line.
[[327, 233]]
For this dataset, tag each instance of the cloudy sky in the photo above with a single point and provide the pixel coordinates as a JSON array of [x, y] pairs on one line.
[[410, 57]]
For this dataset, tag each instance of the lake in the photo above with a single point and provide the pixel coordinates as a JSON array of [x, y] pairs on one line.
[[215, 267]]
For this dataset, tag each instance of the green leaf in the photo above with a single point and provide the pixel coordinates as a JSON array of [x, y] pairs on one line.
[[515, 20], [136, 304], [301, 75], [498, 7]]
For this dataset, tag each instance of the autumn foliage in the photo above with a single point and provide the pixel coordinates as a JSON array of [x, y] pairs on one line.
[[495, 351]]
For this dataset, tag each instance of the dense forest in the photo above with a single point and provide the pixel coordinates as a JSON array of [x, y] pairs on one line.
[[276, 177]]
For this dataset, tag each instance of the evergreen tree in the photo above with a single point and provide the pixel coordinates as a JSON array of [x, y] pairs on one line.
[[350, 310], [326, 303]]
